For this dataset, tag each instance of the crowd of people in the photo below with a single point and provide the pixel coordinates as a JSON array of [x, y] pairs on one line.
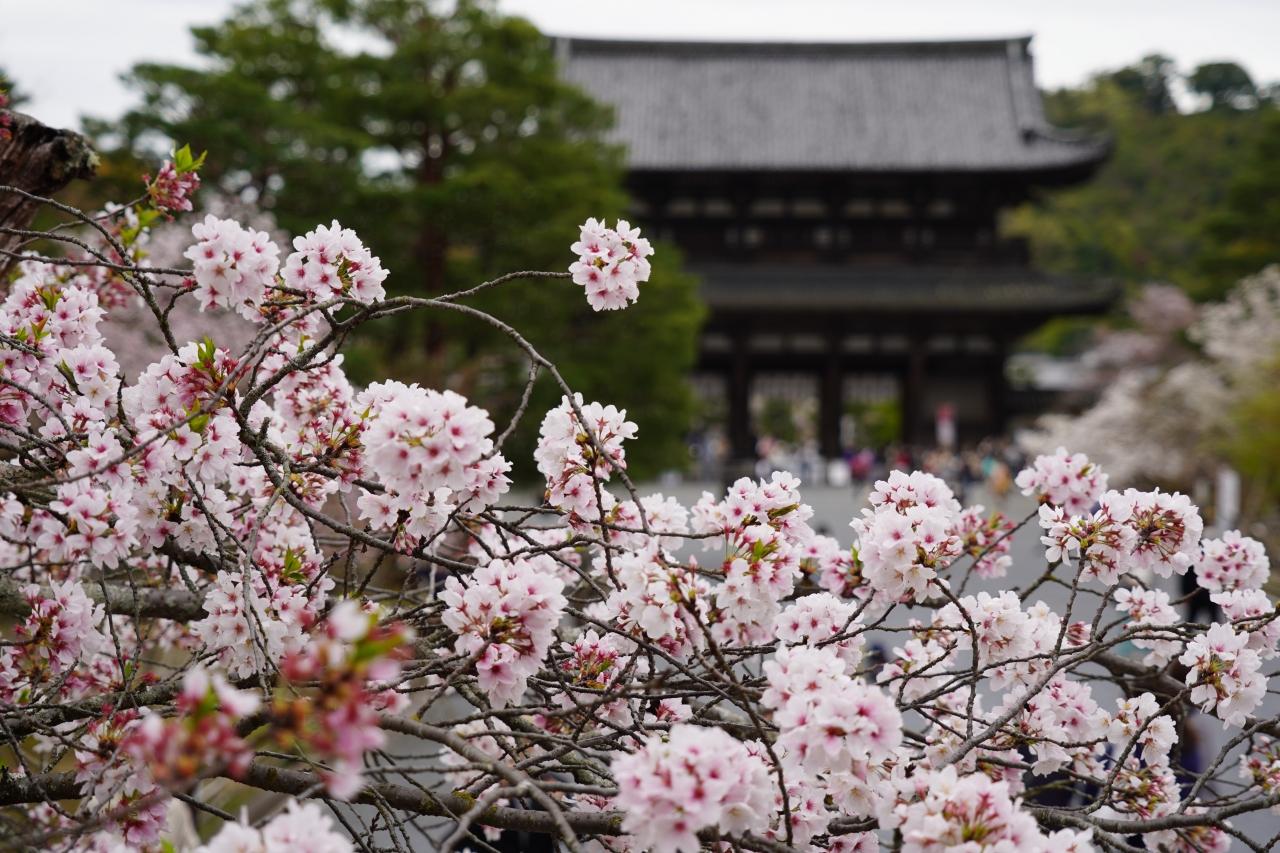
[[990, 464]]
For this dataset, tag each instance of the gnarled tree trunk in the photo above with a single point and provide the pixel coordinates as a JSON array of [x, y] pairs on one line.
[[40, 160]]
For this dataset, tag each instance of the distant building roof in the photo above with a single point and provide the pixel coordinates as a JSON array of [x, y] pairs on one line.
[[889, 107], [869, 288]]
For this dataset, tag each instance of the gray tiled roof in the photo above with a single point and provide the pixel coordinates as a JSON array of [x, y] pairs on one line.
[[868, 287], [932, 106]]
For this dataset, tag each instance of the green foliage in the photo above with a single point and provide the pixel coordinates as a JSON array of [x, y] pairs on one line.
[[1142, 217], [184, 161], [1252, 445], [444, 135], [1243, 235], [14, 95], [1148, 83], [1225, 84], [777, 420], [879, 424]]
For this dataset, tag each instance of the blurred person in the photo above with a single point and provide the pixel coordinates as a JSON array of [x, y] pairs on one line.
[[1198, 601], [1000, 481]]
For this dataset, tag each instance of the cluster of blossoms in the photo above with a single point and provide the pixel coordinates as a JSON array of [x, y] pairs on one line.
[[121, 790], [235, 563], [943, 811], [175, 182], [203, 733], [694, 778], [60, 647], [657, 603], [433, 454], [1101, 542], [505, 617], [1253, 612], [300, 827], [1062, 479], [270, 622], [332, 262], [1131, 532], [1232, 562], [987, 540], [1261, 766], [995, 625], [576, 453], [1166, 529], [612, 262], [823, 618], [907, 536], [593, 664], [828, 720], [1150, 611], [354, 663], [1138, 720], [1224, 674], [233, 266], [764, 531]]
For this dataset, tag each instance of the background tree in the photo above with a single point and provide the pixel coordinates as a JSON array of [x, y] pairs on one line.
[[1149, 83], [1225, 84], [13, 94], [1143, 217], [446, 134], [1243, 235]]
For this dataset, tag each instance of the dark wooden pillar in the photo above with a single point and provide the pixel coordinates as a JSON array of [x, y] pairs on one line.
[[831, 401], [913, 393], [997, 400], [741, 441]]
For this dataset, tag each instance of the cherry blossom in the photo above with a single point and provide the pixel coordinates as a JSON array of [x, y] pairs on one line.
[[575, 455], [828, 720], [233, 266], [1224, 674], [329, 262], [1232, 562], [1253, 612], [62, 632], [234, 561], [943, 811], [505, 617], [986, 538], [1061, 479], [612, 262], [822, 618], [433, 452], [694, 778], [1138, 720], [203, 734], [1150, 609], [175, 182], [902, 550], [354, 661], [300, 828]]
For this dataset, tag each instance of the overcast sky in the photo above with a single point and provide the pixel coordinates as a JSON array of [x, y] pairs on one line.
[[68, 54]]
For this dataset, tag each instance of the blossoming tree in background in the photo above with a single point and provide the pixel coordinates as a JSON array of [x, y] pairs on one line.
[[198, 566], [1174, 393]]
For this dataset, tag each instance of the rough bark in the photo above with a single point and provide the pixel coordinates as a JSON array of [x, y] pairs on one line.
[[146, 602], [40, 160]]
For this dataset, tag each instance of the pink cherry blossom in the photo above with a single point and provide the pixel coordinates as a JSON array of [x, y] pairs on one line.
[[612, 262], [694, 778]]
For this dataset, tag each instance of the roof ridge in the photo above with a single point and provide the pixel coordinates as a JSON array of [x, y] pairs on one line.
[[783, 46]]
